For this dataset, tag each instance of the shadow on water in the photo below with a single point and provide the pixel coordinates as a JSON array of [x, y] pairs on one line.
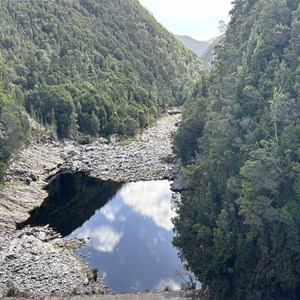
[[72, 199]]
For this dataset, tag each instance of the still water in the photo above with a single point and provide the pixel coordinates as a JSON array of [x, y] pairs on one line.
[[127, 228]]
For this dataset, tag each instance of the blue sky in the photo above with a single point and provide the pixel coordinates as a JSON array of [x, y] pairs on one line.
[[196, 18]]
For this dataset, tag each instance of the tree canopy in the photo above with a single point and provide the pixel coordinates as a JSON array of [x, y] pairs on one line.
[[13, 128], [86, 67], [238, 223], [94, 66]]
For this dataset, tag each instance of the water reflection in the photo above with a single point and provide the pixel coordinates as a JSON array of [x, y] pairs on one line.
[[72, 199], [151, 199], [102, 238], [127, 227], [130, 238]]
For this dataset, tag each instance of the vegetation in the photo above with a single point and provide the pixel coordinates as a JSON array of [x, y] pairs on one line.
[[92, 275], [238, 223], [199, 47], [98, 67], [101, 67], [13, 128], [208, 55], [87, 67], [12, 291]]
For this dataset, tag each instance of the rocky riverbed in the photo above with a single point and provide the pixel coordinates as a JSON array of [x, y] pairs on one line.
[[144, 158], [36, 261]]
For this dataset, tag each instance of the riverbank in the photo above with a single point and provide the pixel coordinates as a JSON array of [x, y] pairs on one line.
[[141, 159], [34, 262]]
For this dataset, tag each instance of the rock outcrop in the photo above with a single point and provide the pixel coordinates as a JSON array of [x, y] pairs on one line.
[[26, 179], [37, 262]]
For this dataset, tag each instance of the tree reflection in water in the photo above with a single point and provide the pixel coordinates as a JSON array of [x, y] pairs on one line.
[[127, 228]]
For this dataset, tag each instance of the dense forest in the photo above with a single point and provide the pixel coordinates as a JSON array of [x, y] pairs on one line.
[[239, 219], [13, 127], [87, 67]]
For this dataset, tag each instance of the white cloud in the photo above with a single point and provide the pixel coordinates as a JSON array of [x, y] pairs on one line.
[[197, 18], [101, 238], [189, 9], [150, 199]]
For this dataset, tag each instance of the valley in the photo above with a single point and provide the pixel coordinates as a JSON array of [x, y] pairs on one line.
[[85, 88]]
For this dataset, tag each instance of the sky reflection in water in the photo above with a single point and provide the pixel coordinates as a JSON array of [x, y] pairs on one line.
[[130, 238]]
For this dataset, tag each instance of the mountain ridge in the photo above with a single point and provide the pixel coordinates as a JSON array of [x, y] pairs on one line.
[[208, 55], [204, 49], [194, 45]]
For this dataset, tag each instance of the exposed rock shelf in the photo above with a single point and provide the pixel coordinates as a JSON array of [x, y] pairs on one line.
[[142, 159], [26, 179], [37, 262], [30, 260]]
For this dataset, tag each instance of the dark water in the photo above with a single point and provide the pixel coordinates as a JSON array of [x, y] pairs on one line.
[[72, 199], [127, 227]]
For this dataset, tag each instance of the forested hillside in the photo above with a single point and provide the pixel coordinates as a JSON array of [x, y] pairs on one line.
[[97, 67], [208, 55], [239, 221], [13, 127]]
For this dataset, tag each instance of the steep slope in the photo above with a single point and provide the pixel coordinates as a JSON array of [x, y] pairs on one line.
[[196, 46], [13, 127], [208, 54], [98, 66], [238, 225], [204, 49]]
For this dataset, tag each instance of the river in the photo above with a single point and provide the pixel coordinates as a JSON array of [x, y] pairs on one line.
[[127, 228]]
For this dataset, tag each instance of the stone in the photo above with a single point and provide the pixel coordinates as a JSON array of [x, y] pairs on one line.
[[178, 183], [33, 177]]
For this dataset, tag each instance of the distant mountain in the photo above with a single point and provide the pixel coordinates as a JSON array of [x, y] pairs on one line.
[[196, 46], [204, 49], [208, 54]]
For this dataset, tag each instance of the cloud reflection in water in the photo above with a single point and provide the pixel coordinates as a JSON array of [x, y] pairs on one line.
[[111, 212], [168, 283], [101, 238], [150, 199], [130, 238]]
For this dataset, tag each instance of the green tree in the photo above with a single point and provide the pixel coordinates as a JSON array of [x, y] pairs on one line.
[[112, 65], [54, 101], [13, 129], [238, 220]]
